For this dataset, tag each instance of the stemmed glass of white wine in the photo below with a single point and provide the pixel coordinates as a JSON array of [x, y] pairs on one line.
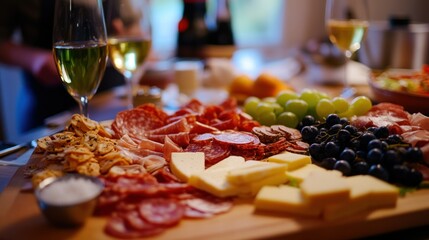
[[80, 47], [347, 23], [129, 39]]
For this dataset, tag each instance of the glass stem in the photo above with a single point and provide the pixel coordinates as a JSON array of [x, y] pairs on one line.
[[348, 91], [129, 82], [83, 106]]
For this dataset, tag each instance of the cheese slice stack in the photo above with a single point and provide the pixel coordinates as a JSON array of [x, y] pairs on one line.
[[329, 194]]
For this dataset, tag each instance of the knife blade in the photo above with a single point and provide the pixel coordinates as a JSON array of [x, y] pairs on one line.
[[21, 160]]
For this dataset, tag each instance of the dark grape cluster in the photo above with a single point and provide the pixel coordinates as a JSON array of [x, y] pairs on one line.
[[336, 144]]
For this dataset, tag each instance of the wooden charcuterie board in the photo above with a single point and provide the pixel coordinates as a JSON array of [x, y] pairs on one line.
[[20, 218]]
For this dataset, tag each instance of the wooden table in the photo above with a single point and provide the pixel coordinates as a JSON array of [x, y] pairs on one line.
[[20, 217]]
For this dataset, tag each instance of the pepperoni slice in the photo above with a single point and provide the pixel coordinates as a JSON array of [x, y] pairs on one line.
[[117, 227], [161, 211], [236, 138]]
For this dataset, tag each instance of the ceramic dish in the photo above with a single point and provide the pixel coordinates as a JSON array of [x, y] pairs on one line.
[[412, 101]]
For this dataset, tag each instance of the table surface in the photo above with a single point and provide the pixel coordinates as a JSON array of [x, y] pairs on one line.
[[18, 210]]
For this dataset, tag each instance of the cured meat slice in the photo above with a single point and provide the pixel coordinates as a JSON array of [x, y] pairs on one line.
[[161, 211], [229, 104], [117, 227], [236, 138], [178, 126], [213, 206], [151, 145], [225, 124], [213, 152], [203, 138], [201, 128], [133, 220], [182, 139], [193, 213], [137, 120], [170, 147]]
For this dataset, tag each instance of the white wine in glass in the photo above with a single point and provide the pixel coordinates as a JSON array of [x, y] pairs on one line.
[[129, 38], [80, 47], [347, 23]]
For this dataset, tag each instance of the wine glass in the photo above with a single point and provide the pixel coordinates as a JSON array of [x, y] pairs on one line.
[[129, 39], [347, 23], [80, 47]]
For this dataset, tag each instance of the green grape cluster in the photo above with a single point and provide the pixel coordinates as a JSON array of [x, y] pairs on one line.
[[289, 108]]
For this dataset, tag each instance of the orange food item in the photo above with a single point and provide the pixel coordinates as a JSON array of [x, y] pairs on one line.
[[267, 85], [241, 87]]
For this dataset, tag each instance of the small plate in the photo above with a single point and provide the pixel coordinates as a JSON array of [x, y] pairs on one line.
[[412, 102]]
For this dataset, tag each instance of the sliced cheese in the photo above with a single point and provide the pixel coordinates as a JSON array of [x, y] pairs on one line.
[[228, 163], [185, 164], [297, 176], [321, 188], [284, 199], [254, 172], [366, 192], [274, 180], [215, 182], [293, 160]]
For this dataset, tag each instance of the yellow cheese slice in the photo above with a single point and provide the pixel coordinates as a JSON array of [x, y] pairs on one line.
[[228, 163], [284, 199], [366, 192], [254, 172], [321, 188], [185, 164], [293, 160], [215, 182], [273, 180], [297, 176]]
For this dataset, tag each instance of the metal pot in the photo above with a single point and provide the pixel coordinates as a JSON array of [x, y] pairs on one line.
[[392, 45]]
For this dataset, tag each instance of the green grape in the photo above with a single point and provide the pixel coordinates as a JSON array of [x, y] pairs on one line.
[[250, 105], [297, 106], [347, 114], [266, 118], [360, 105], [288, 119], [324, 107], [285, 96], [277, 108], [340, 104], [269, 100], [323, 95], [310, 96], [264, 107]]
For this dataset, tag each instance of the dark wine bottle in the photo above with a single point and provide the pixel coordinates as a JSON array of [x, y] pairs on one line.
[[221, 33], [192, 30]]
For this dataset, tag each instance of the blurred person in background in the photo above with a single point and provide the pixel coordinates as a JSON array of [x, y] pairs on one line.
[[44, 94]]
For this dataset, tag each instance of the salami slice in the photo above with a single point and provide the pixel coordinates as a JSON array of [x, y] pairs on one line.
[[161, 211], [213, 151], [236, 138], [203, 138], [116, 227], [137, 120]]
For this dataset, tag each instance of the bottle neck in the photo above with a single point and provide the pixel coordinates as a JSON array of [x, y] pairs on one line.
[[194, 9]]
